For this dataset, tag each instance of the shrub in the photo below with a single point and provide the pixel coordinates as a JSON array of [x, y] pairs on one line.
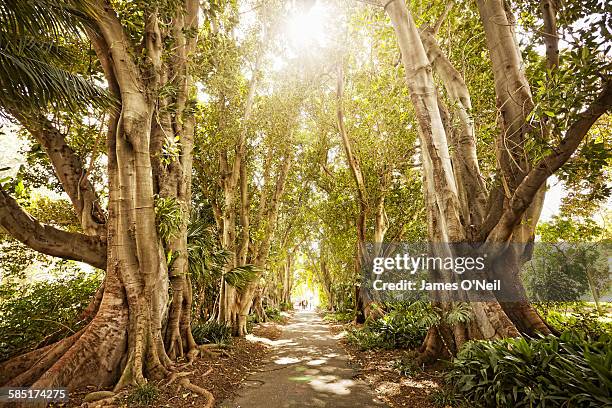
[[572, 370], [446, 397], [405, 326], [575, 316], [286, 306], [273, 314], [406, 366], [41, 313], [144, 395], [212, 332]]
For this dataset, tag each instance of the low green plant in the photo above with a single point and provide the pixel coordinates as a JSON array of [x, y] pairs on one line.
[[285, 306], [212, 332], [572, 370], [273, 314], [143, 395], [403, 326], [252, 320], [446, 397], [406, 367], [575, 316]]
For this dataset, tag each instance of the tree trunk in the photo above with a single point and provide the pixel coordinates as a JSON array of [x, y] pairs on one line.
[[450, 180], [123, 344]]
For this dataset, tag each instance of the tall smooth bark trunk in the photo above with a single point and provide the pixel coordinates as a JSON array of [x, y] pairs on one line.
[[455, 195]]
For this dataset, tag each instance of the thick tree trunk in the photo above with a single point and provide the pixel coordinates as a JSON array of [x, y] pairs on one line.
[[123, 344], [287, 280]]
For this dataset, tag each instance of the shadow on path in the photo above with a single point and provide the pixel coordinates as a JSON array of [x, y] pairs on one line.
[[307, 368]]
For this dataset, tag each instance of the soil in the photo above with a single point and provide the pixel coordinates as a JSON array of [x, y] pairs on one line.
[[220, 373], [377, 369]]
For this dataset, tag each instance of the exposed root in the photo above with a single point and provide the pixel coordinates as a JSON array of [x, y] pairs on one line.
[[211, 350], [104, 402], [431, 349], [199, 390], [175, 376], [192, 354]]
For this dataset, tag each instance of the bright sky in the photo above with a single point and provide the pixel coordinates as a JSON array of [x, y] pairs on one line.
[[306, 28]]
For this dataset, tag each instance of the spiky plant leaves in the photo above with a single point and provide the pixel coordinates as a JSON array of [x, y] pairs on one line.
[[570, 370], [168, 217], [33, 75], [241, 276]]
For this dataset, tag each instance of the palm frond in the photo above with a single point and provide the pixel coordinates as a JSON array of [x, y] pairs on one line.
[[241, 276], [32, 73], [51, 18], [206, 257], [29, 77]]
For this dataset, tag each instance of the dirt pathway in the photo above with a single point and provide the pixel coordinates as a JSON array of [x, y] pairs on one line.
[[307, 368]]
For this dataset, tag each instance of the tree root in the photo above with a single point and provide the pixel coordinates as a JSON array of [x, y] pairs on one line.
[[192, 354], [199, 390], [211, 350], [104, 402], [175, 376]]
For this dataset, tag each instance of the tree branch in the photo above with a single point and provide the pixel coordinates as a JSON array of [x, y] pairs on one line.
[[442, 17], [70, 172], [463, 140], [47, 239], [512, 90], [550, 35], [352, 160], [535, 179]]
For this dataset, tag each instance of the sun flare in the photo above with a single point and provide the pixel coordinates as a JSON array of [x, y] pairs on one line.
[[307, 27]]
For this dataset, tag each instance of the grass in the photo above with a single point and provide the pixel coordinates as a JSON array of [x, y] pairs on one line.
[[340, 317]]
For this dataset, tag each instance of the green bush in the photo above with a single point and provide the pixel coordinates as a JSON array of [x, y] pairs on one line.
[[400, 328], [286, 306], [41, 313], [446, 397], [575, 316], [212, 332], [273, 314], [572, 370], [406, 366]]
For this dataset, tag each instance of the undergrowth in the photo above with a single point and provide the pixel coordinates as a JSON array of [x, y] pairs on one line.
[[572, 370], [212, 332], [143, 395]]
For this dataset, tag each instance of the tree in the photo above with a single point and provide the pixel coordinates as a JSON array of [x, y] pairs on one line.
[[248, 159], [460, 206], [379, 146], [136, 328], [569, 262]]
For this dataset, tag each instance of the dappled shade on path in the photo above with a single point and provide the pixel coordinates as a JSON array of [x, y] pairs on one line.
[[307, 369]]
